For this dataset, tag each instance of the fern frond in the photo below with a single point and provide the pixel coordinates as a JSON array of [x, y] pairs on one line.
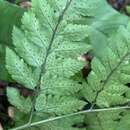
[[110, 72], [49, 44]]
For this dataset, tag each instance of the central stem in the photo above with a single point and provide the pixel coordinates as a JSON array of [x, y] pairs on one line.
[[47, 53]]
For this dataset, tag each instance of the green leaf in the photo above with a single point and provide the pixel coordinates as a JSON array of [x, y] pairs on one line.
[[24, 104], [33, 31], [58, 105], [19, 70], [110, 72], [32, 54], [7, 13], [40, 59], [60, 86], [57, 33], [65, 67], [103, 120], [75, 32]]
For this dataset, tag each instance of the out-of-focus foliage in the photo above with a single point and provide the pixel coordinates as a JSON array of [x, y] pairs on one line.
[[10, 15]]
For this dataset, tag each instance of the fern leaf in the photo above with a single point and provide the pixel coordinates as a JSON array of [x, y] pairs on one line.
[[29, 52], [105, 81], [103, 120], [19, 70], [46, 54], [33, 31], [16, 99], [57, 104], [124, 121], [54, 34], [45, 14], [61, 86], [75, 32], [70, 49], [65, 67]]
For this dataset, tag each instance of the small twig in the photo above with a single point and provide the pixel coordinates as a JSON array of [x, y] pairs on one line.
[[69, 115]]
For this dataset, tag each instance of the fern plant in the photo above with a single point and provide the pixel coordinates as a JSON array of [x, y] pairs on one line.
[[45, 59]]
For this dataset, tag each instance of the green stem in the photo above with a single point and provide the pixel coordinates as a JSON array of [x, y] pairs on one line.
[[47, 53], [70, 115]]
